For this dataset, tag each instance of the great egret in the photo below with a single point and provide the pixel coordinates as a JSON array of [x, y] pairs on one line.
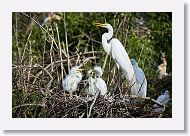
[[141, 82], [71, 81], [114, 48], [91, 87], [99, 82], [96, 84], [163, 100]]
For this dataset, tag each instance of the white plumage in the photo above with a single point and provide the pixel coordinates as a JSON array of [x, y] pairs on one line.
[[91, 87], [99, 82], [141, 82], [98, 70], [96, 84], [71, 81], [163, 100], [119, 54], [101, 85]]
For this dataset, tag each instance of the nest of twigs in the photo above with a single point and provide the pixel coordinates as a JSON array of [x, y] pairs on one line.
[[63, 105]]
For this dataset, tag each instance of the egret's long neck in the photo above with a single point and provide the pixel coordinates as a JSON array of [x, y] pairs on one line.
[[110, 33], [105, 38]]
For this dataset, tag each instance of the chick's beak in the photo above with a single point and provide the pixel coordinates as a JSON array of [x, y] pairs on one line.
[[80, 70], [93, 72]]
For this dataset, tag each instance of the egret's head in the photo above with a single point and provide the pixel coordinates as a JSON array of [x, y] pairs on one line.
[[104, 25], [76, 69], [166, 92], [90, 73], [133, 62], [98, 70]]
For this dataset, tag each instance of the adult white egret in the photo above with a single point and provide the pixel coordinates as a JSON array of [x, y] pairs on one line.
[[163, 100], [141, 82], [99, 82], [113, 47], [71, 81]]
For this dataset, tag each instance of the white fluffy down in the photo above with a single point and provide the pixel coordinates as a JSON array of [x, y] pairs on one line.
[[71, 81]]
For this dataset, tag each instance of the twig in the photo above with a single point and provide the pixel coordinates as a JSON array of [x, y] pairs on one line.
[[41, 72], [66, 42], [148, 98], [30, 63], [41, 27], [141, 53], [16, 35], [28, 104], [86, 60], [60, 53], [88, 116], [25, 47], [84, 34], [82, 115]]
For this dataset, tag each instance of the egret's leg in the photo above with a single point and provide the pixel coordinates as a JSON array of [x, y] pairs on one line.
[[119, 82]]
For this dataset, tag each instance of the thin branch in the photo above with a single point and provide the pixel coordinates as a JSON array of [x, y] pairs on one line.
[[29, 104], [88, 116], [41, 27], [25, 47], [66, 42], [16, 34], [148, 98], [60, 52]]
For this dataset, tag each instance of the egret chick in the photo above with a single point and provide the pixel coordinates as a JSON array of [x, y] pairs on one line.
[[163, 100], [141, 82], [91, 89], [99, 82], [113, 47], [71, 81], [98, 70]]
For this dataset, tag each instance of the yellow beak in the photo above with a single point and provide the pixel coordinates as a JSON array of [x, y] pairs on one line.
[[99, 24], [80, 70]]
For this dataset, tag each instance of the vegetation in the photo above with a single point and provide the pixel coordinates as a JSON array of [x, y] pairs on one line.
[[44, 49]]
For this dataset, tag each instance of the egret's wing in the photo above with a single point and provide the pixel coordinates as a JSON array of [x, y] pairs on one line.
[[140, 76], [121, 57], [101, 86], [163, 99], [91, 86], [141, 89], [78, 77], [114, 58], [67, 83], [141, 81], [160, 98]]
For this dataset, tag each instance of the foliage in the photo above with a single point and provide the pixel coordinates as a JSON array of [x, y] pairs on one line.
[[37, 51]]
